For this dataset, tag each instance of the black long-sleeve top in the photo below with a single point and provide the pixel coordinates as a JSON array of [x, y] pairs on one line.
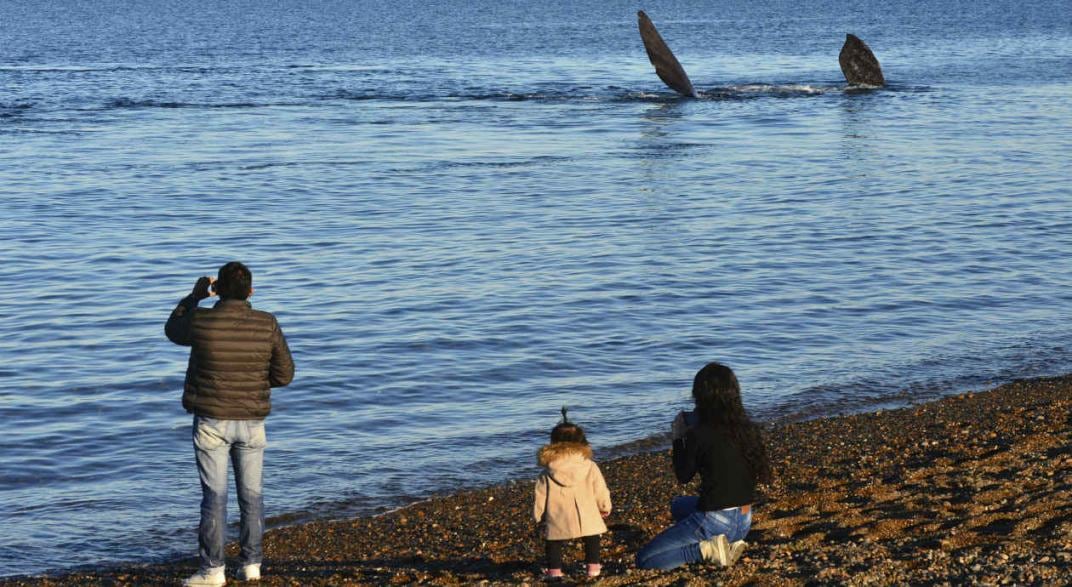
[[725, 478]]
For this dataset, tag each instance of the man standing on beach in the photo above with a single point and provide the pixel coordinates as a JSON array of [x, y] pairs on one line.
[[237, 354]]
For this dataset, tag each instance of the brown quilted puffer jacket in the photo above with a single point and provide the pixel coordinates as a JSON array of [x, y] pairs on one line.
[[237, 354]]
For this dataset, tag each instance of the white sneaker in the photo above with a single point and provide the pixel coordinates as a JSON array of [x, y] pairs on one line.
[[207, 578], [250, 573], [736, 549], [716, 550]]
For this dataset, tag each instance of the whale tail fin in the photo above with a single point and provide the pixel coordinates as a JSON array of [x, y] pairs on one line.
[[666, 65], [859, 64]]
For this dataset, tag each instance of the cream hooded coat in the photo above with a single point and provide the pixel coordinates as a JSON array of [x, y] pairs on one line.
[[571, 493]]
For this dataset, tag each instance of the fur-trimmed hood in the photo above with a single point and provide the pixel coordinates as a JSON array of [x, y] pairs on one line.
[[568, 463]]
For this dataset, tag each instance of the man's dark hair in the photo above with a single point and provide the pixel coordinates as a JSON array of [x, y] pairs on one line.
[[234, 281]]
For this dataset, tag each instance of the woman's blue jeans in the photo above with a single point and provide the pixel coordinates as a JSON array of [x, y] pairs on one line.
[[680, 544], [243, 441]]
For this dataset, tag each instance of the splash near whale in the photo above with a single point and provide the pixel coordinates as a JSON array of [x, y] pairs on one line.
[[859, 64], [666, 65]]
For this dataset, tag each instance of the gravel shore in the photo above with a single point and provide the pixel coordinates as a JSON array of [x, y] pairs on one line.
[[971, 489]]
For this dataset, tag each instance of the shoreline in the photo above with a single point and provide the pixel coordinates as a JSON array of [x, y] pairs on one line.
[[975, 487]]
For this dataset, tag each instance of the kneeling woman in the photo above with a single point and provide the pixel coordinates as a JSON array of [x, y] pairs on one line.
[[723, 445]]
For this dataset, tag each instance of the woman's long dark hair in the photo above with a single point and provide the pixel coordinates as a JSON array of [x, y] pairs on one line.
[[718, 403]]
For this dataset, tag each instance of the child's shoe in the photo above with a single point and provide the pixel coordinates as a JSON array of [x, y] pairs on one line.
[[552, 575], [594, 569]]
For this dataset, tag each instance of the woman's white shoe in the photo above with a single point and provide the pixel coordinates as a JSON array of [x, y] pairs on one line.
[[736, 549], [716, 550]]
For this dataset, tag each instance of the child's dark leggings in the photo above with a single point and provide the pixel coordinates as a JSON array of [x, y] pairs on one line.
[[554, 551]]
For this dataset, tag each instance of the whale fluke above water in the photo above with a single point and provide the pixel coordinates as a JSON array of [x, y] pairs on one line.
[[859, 64], [666, 65]]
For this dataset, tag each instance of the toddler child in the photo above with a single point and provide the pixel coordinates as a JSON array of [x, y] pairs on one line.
[[571, 497]]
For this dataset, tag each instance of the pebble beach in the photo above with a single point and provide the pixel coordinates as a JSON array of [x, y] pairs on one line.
[[970, 489]]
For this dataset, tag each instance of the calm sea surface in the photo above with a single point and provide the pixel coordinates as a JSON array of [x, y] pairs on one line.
[[466, 215]]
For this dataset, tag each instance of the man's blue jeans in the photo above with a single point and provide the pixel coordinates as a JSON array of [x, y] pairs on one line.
[[680, 544], [244, 442]]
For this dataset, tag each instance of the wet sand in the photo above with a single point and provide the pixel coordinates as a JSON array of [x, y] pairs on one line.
[[975, 488]]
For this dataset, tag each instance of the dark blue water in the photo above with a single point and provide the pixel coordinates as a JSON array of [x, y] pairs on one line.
[[466, 215]]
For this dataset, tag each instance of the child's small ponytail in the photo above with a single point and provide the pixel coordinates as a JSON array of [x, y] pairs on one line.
[[567, 431]]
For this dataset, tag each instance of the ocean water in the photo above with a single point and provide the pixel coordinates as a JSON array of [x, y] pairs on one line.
[[469, 214]]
